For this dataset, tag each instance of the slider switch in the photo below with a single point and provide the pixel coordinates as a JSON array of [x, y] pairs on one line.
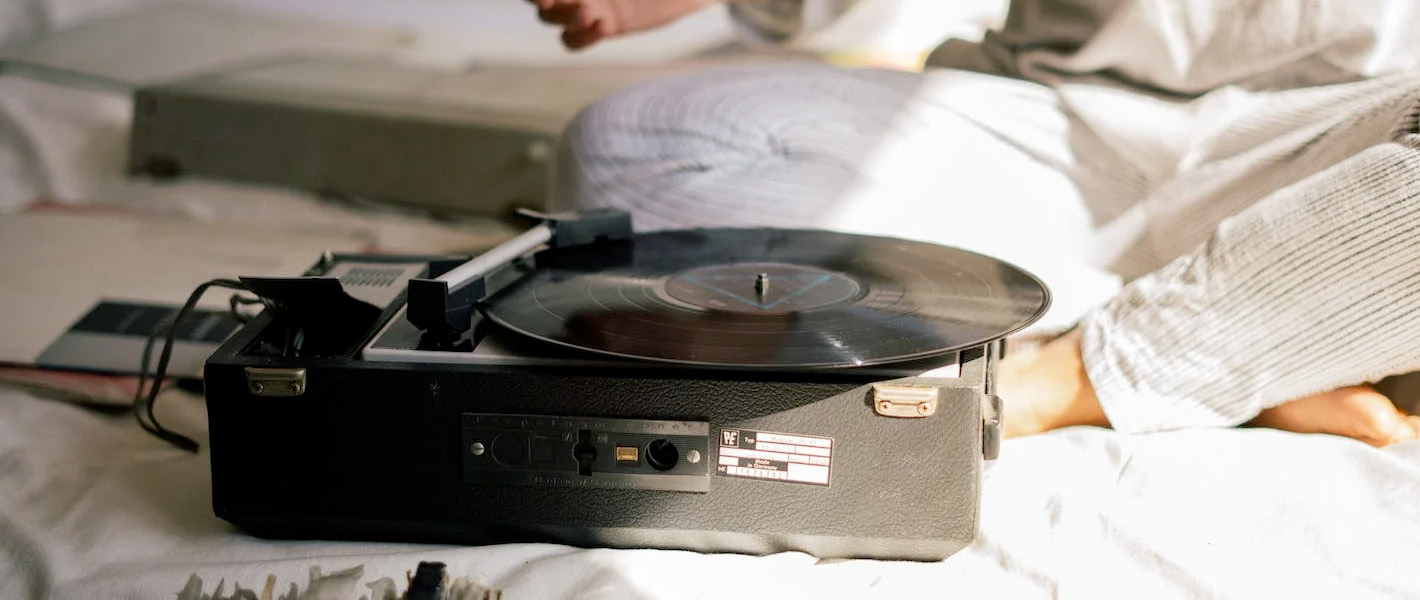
[[584, 452]]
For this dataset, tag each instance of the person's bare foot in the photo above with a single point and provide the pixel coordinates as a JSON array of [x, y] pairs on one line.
[[1358, 412], [1047, 388]]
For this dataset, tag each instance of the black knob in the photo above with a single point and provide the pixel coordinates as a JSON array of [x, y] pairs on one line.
[[508, 449], [662, 455]]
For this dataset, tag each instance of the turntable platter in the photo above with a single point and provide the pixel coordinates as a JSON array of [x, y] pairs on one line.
[[769, 298]]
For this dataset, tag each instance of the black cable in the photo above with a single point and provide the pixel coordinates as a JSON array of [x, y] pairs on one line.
[[236, 302], [161, 330], [143, 404]]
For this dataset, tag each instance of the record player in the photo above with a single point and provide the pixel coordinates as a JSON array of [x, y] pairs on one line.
[[725, 390]]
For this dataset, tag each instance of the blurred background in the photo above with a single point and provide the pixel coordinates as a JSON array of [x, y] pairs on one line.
[[441, 32], [148, 145]]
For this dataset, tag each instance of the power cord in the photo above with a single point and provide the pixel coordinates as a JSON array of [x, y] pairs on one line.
[[236, 302], [145, 400]]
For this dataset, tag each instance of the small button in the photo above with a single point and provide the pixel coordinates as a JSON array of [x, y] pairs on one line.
[[628, 456]]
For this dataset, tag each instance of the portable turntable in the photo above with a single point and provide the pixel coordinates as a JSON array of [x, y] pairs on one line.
[[738, 390]]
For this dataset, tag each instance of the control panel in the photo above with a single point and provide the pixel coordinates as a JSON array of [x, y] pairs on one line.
[[586, 452]]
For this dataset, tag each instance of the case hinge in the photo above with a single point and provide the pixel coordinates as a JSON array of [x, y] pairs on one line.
[[906, 401], [272, 382]]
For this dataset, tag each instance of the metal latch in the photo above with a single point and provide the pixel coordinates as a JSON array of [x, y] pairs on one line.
[[907, 401], [276, 382], [991, 417]]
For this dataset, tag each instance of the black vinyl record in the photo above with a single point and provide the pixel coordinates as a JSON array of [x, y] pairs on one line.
[[769, 298]]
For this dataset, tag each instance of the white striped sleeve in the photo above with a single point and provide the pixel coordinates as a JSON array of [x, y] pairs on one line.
[[779, 21], [1316, 287]]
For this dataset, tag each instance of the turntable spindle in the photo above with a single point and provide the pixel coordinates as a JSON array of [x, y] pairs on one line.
[[761, 285]]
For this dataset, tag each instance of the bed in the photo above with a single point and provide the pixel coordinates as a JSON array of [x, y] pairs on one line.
[[91, 506]]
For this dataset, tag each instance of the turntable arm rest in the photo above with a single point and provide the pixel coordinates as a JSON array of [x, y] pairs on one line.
[[433, 307], [445, 303]]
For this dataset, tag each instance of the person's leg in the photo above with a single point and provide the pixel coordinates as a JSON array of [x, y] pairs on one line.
[[1283, 315]]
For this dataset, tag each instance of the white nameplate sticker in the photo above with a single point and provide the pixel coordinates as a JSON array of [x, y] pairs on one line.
[[775, 456]]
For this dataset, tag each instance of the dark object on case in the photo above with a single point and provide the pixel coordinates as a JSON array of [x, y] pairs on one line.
[[328, 318], [509, 437], [427, 582]]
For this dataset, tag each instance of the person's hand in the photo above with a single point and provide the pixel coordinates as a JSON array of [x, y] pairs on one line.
[[586, 22]]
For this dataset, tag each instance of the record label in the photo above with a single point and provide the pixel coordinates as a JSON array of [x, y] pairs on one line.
[[761, 288]]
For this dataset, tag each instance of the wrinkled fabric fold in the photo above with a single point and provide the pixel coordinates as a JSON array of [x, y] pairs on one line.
[[1314, 287]]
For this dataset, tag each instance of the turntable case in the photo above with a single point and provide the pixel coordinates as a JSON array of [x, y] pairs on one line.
[[374, 451]]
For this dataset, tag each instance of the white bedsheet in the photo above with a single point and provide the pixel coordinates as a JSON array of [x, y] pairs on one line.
[[93, 507]]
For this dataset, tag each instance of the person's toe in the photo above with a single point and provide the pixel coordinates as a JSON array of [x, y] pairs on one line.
[[1407, 429]]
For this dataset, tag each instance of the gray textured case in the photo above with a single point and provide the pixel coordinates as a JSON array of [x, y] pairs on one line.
[[374, 451], [477, 141]]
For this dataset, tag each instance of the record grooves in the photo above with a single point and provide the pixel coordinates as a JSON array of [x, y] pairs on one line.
[[769, 298]]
